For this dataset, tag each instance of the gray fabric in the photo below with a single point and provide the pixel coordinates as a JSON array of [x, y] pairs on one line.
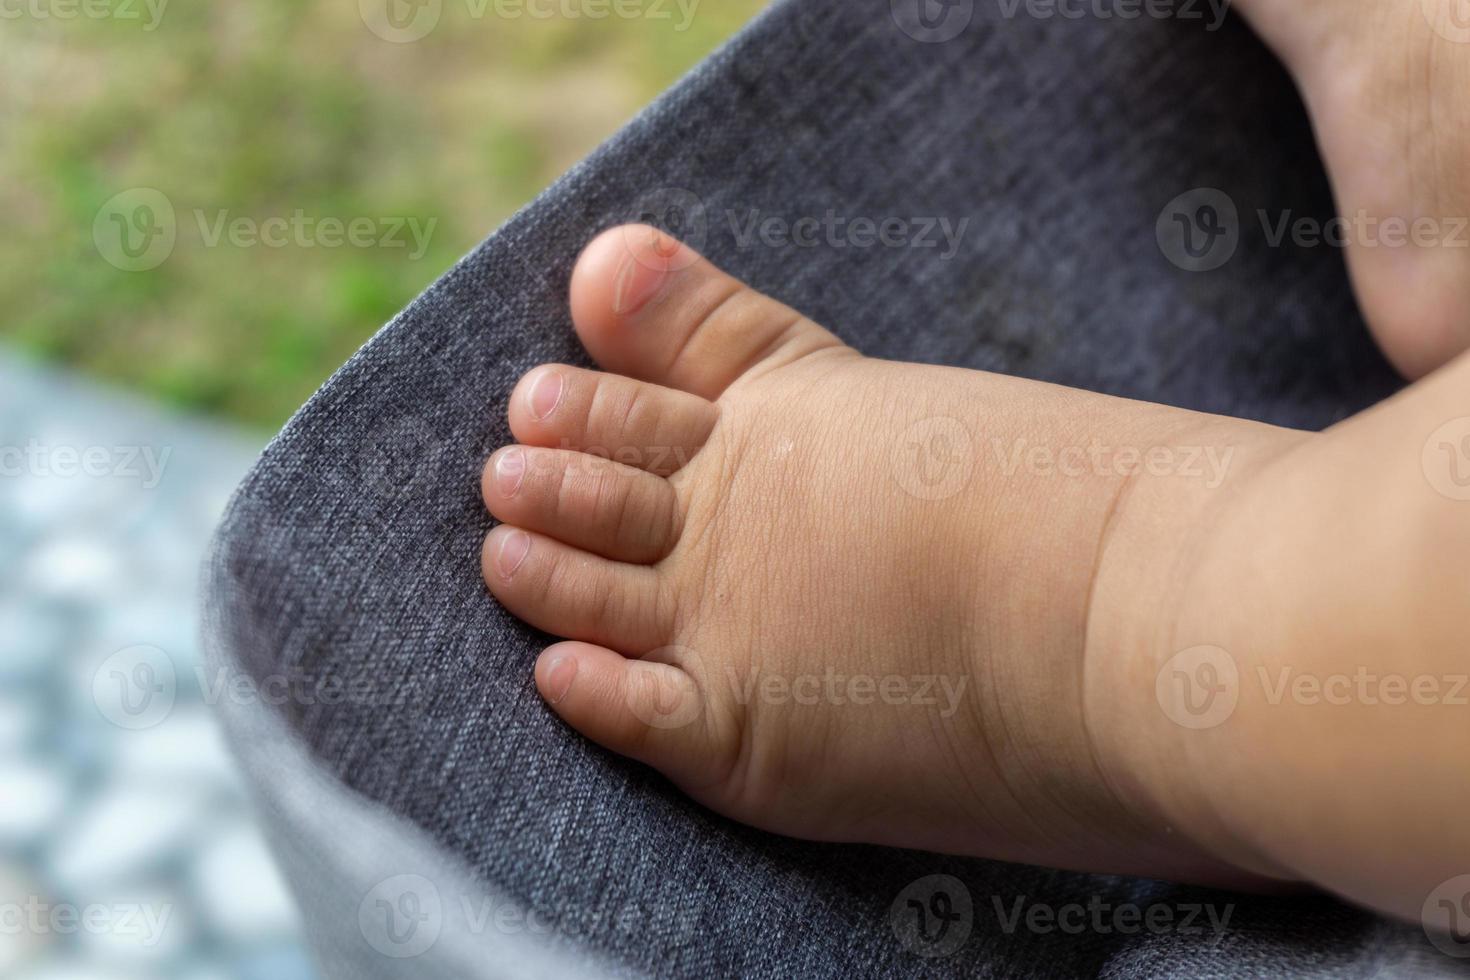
[[351, 552]]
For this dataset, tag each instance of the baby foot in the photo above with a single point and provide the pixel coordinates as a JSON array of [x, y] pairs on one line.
[[1385, 81], [841, 598]]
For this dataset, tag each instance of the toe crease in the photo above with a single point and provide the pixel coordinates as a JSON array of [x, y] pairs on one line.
[[736, 290]]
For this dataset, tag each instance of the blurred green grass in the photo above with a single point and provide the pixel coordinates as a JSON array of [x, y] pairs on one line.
[[263, 108]]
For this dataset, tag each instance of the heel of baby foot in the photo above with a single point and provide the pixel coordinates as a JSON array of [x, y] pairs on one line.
[[1415, 305], [1153, 690]]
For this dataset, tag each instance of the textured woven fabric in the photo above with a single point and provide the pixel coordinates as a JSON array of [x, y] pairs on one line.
[[436, 786]]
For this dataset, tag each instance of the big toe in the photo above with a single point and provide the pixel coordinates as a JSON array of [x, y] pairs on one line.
[[648, 306]]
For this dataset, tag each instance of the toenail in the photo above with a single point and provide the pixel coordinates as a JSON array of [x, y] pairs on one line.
[[636, 284], [513, 549], [559, 677], [510, 470], [546, 395]]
